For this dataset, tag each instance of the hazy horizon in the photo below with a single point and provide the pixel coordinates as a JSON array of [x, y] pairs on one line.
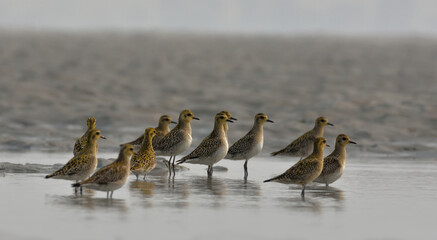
[[392, 17]]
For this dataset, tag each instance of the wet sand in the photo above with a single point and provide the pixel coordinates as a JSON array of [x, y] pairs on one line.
[[375, 199], [380, 91]]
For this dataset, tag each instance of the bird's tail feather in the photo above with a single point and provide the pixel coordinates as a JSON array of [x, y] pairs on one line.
[[180, 161], [273, 179], [275, 153]]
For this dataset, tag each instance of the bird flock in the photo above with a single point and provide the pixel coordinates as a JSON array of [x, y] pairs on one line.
[[139, 156]]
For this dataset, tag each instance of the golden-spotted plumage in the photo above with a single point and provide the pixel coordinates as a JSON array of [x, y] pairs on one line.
[[334, 163], [303, 145], [306, 170], [83, 164], [251, 144], [178, 140], [82, 141], [162, 130], [213, 148], [112, 176], [144, 160]]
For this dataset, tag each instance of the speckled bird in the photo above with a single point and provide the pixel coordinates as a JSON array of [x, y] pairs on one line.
[[251, 144], [83, 164], [213, 148], [334, 163], [179, 139], [82, 141], [162, 130], [303, 145], [144, 160], [112, 176], [306, 170]]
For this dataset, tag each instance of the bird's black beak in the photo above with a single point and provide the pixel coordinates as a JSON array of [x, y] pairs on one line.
[[328, 145], [229, 120], [268, 120], [102, 137], [196, 118], [174, 122], [232, 118], [330, 124], [352, 142]]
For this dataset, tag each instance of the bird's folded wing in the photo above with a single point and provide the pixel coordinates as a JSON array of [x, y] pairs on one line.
[[242, 145], [330, 165], [171, 139], [206, 148]]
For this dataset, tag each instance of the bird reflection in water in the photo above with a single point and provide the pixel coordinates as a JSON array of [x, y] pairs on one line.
[[209, 186], [317, 198], [89, 201], [142, 187], [328, 193]]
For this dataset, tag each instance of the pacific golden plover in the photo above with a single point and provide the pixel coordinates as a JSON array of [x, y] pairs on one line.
[[306, 170], [251, 144], [334, 163]]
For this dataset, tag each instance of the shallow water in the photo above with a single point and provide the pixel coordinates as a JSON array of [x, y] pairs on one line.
[[375, 199]]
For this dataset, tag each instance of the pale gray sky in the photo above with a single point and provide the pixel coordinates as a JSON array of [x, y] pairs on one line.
[[255, 16]]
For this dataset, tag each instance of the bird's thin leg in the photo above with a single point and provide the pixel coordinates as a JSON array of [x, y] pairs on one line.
[[172, 165], [209, 171], [112, 192], [144, 178], [107, 194], [75, 188], [169, 165], [245, 169], [81, 190], [303, 191]]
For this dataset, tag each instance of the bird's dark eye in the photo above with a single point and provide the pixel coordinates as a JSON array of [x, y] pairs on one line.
[[222, 117], [131, 149], [324, 141], [323, 120], [344, 139], [262, 117], [97, 133], [189, 114]]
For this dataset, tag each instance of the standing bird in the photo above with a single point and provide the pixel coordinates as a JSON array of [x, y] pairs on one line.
[[251, 144], [83, 164], [113, 176], [303, 145], [179, 139], [306, 170], [334, 163], [213, 148], [228, 114], [82, 141], [145, 160], [162, 130]]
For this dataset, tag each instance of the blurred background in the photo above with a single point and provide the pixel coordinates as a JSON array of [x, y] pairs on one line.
[[235, 16], [370, 67]]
